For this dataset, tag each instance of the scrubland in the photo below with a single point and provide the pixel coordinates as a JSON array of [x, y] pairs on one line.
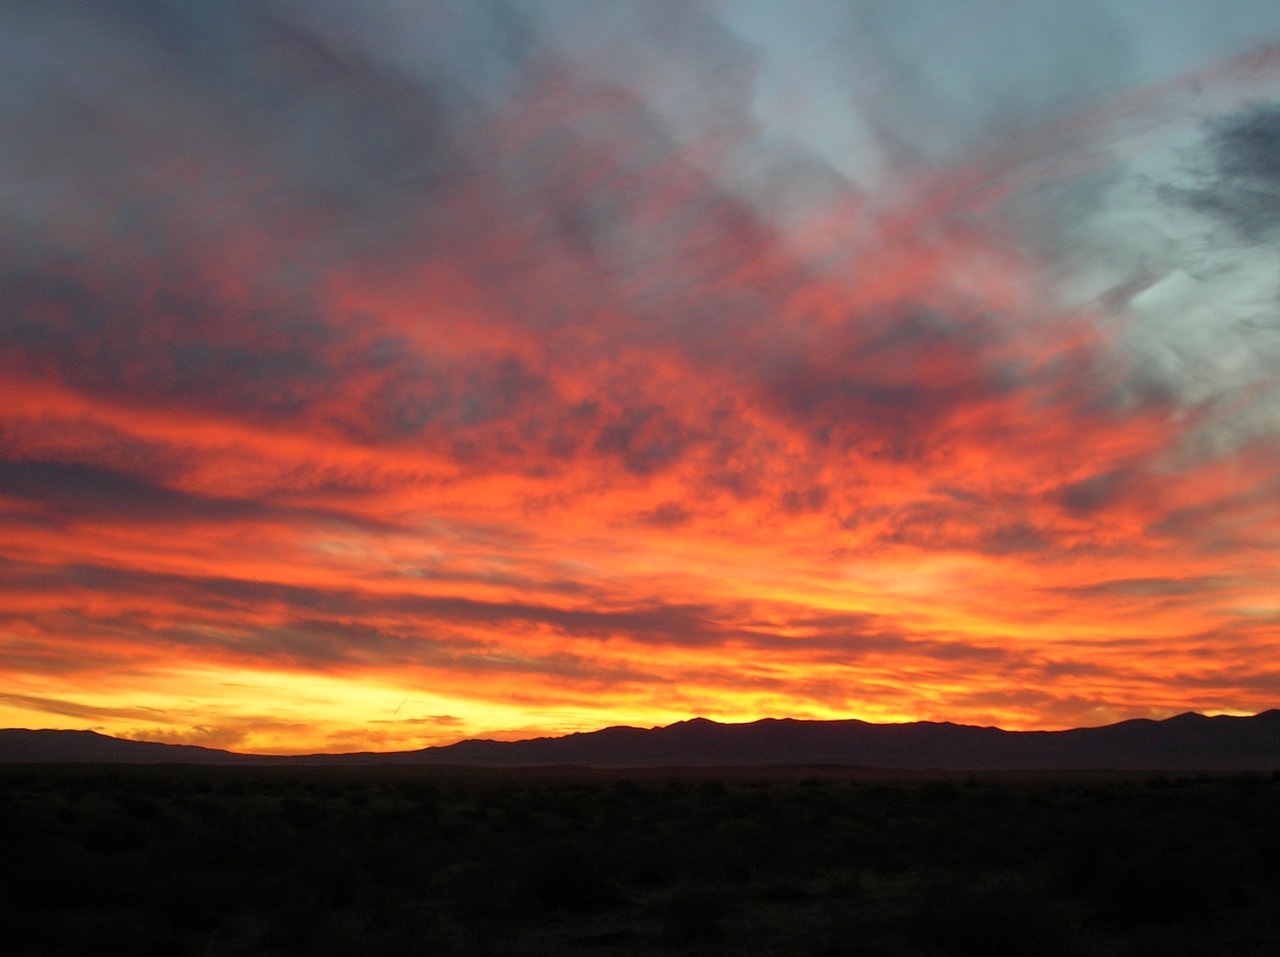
[[197, 862]]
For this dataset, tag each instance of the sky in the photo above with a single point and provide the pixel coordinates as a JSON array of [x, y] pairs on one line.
[[377, 375]]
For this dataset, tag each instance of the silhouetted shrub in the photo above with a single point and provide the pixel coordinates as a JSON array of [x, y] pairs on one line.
[[119, 933], [693, 911], [567, 876], [939, 791], [1005, 914], [1157, 887]]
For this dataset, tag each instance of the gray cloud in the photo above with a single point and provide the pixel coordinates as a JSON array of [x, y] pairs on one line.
[[647, 440], [278, 119], [1096, 493], [48, 705], [967, 71], [71, 492], [665, 515], [1242, 187], [1153, 588]]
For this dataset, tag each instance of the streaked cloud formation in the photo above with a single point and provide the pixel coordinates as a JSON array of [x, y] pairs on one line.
[[374, 375]]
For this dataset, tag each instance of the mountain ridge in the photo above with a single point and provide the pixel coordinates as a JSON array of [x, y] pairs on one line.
[[1188, 741]]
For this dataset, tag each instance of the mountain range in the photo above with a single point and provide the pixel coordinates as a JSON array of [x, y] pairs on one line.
[[1186, 742]]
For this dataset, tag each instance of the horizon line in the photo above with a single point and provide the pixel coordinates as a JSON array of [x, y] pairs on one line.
[[683, 721]]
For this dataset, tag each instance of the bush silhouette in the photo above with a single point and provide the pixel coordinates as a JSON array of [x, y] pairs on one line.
[[1004, 914], [693, 911], [567, 876]]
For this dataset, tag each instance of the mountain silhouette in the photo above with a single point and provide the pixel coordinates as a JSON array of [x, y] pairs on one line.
[[1186, 742]]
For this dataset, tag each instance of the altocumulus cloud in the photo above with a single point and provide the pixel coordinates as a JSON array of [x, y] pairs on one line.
[[552, 364]]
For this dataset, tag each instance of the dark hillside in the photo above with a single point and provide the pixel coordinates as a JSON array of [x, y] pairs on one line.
[[1189, 742]]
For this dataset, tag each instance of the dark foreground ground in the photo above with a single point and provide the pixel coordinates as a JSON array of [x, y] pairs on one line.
[[824, 862]]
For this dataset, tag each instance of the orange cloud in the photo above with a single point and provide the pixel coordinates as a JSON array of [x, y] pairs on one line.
[[545, 420]]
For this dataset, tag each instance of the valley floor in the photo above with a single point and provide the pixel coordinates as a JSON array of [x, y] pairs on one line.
[[203, 862]]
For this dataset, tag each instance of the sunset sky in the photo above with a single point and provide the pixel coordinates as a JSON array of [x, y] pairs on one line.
[[379, 374]]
